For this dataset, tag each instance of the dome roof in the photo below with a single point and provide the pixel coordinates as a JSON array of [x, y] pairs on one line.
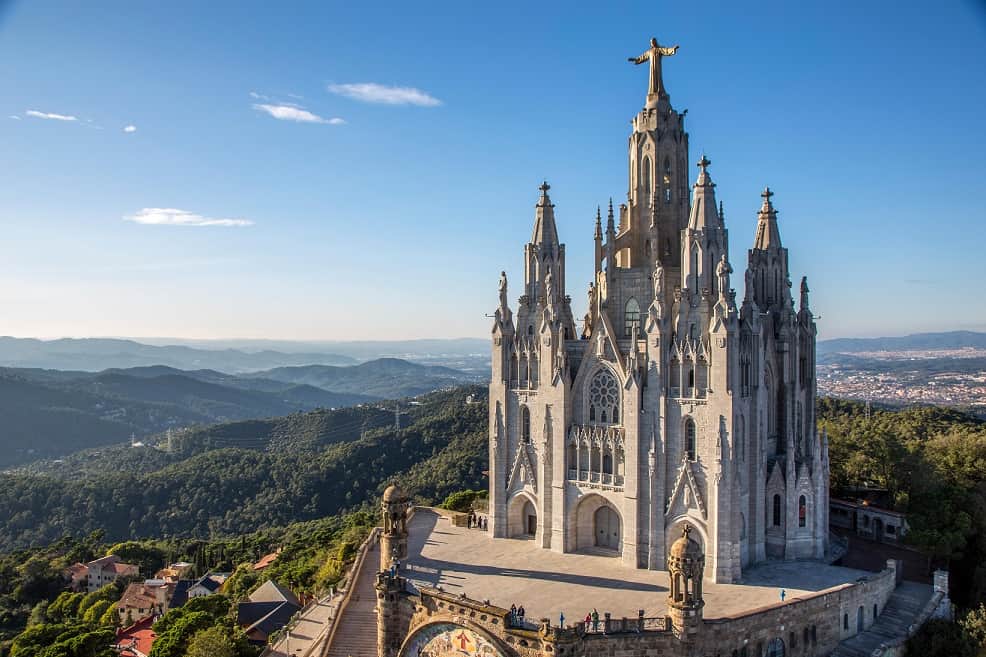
[[393, 494], [685, 548]]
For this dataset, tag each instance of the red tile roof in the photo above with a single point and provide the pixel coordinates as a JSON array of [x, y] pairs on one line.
[[139, 636]]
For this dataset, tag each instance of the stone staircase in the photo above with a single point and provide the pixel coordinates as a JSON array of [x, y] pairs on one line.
[[356, 634], [891, 625]]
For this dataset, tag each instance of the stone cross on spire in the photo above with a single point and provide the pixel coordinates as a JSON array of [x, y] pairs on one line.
[[655, 89]]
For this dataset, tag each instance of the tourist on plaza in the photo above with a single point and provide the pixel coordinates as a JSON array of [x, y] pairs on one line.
[[595, 620], [520, 613], [513, 614], [588, 621]]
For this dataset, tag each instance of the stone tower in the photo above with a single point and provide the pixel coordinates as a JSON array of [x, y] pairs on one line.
[[673, 405], [686, 565], [393, 539]]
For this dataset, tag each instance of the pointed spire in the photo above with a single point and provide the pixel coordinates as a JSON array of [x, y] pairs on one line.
[[545, 231], [804, 293], [704, 214], [722, 213], [768, 235], [599, 223], [610, 225]]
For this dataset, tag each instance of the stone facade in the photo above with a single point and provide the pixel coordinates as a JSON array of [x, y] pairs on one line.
[[673, 404]]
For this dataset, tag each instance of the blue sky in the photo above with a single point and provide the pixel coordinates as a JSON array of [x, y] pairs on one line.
[[371, 219]]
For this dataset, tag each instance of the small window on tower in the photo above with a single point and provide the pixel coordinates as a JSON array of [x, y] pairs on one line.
[[525, 425], [690, 439], [777, 510], [802, 511], [631, 317]]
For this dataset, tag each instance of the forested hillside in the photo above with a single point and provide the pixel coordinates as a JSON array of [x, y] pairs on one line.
[[932, 462], [235, 478], [52, 413]]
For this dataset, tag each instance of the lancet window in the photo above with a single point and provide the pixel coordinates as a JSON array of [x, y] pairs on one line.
[[631, 317]]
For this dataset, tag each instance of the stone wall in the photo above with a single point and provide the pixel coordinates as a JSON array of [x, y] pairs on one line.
[[808, 625]]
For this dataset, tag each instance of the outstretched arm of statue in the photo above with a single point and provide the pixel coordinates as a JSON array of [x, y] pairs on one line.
[[638, 60], [667, 52]]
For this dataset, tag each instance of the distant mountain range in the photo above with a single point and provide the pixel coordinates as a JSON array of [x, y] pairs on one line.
[[47, 413], [917, 341], [96, 354]]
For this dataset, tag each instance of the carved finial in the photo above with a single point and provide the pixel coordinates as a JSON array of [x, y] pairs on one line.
[[610, 226], [804, 292], [686, 530], [722, 214], [544, 188], [704, 163]]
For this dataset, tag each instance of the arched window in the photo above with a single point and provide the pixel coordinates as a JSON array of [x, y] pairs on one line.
[[604, 397], [690, 439], [525, 425], [647, 181], [802, 511], [775, 648], [691, 376], [607, 463], [631, 317], [777, 510], [845, 621], [805, 637]]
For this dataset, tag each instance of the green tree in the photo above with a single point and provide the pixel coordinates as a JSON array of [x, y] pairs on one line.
[[94, 614], [174, 641], [211, 642]]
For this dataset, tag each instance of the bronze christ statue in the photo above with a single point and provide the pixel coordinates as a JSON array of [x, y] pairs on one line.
[[654, 54]]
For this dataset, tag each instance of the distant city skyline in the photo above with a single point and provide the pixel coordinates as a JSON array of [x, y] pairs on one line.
[[335, 172]]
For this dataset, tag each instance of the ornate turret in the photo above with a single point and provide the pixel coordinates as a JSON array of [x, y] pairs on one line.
[[393, 539], [686, 563], [768, 261]]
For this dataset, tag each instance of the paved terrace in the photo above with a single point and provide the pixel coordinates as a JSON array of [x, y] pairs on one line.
[[546, 583]]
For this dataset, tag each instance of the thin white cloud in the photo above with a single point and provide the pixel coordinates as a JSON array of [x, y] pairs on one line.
[[174, 217], [130, 128], [254, 94], [371, 92], [291, 112], [15, 117], [50, 115]]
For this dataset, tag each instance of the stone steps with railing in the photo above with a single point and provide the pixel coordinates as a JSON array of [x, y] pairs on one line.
[[903, 610]]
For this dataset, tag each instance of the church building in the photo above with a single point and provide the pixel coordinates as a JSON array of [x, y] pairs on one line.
[[669, 403]]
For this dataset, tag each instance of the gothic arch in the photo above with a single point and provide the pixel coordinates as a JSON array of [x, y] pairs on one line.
[[518, 508], [689, 437], [583, 520], [602, 396]]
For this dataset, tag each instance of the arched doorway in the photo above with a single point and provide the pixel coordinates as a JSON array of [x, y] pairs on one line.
[[607, 528], [449, 639], [522, 517], [530, 519], [859, 619]]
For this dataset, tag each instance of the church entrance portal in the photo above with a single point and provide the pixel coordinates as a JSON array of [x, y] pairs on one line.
[[530, 519], [607, 525]]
